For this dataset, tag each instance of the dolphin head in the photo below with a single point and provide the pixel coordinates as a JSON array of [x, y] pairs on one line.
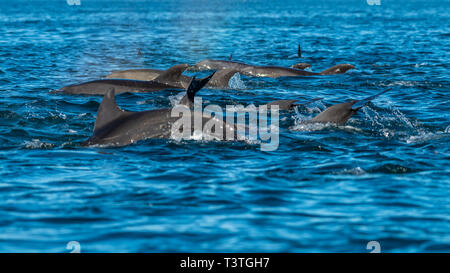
[[337, 69], [345, 67], [70, 89]]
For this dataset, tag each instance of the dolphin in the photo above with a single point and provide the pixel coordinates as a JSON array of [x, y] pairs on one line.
[[118, 127], [267, 71], [341, 113], [279, 71], [338, 113], [170, 79], [219, 80]]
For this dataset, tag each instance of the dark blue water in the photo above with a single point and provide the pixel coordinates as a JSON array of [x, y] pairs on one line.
[[384, 176]]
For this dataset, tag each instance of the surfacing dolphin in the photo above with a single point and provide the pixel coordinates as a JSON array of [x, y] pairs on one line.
[[338, 113], [341, 113], [169, 79], [219, 80], [268, 71], [279, 71], [118, 127]]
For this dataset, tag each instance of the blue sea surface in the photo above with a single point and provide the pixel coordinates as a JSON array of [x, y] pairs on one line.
[[384, 176]]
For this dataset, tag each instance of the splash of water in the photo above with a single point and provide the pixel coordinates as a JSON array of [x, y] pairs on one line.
[[236, 82]]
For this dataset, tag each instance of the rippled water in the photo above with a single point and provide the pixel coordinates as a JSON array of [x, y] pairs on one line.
[[384, 176]]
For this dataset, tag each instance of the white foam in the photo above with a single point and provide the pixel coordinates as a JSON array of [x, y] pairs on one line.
[[236, 82], [37, 144], [353, 171]]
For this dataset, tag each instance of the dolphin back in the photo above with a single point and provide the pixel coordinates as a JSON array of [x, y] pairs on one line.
[[173, 75]]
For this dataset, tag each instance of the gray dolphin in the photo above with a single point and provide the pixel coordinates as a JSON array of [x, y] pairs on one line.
[[279, 71], [342, 112], [267, 71], [219, 80], [118, 127], [338, 113], [169, 79]]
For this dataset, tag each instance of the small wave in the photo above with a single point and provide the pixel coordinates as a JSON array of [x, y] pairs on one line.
[[424, 137], [392, 168], [141, 102], [394, 124], [310, 127], [401, 83], [353, 171], [421, 64], [37, 144]]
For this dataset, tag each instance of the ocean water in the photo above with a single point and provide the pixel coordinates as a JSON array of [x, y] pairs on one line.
[[383, 177]]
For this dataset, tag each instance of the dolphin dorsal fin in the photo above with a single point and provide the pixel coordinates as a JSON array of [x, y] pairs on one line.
[[108, 110], [299, 51], [172, 74], [231, 57]]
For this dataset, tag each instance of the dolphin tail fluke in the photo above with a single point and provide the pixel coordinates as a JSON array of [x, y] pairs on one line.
[[173, 74], [194, 86], [108, 110], [222, 77], [359, 104], [337, 69]]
